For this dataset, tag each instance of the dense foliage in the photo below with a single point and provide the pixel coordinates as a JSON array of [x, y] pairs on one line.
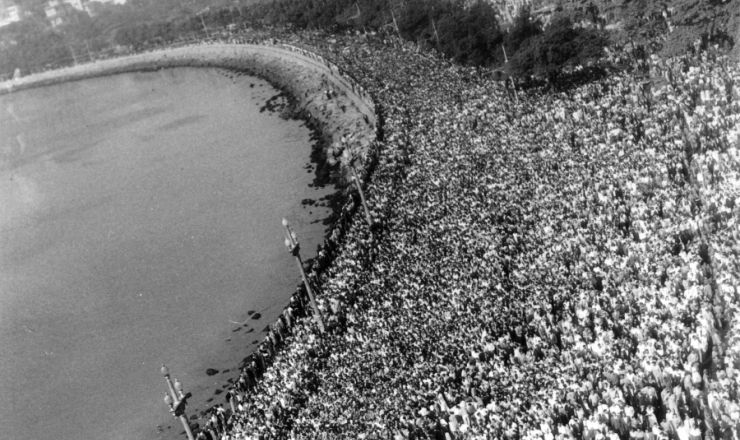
[[468, 32], [559, 47], [469, 35], [19, 40]]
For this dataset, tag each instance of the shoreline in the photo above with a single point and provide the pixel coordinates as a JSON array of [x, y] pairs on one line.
[[275, 63], [303, 76], [305, 79]]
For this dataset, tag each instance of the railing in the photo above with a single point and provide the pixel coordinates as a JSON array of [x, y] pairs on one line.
[[337, 72]]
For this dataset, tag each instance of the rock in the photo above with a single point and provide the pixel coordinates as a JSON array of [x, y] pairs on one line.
[[211, 371], [257, 316]]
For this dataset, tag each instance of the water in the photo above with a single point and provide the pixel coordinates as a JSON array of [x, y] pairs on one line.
[[139, 221]]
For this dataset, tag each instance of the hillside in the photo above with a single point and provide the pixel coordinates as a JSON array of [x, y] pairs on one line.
[[467, 31], [675, 23]]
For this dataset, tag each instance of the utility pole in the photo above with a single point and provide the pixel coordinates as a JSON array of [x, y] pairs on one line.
[[513, 85], [203, 21], [436, 35], [395, 24], [343, 154]]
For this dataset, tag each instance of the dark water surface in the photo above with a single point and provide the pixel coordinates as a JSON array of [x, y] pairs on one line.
[[139, 222]]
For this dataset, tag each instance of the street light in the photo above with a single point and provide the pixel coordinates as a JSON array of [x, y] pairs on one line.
[[347, 158], [294, 247], [177, 400]]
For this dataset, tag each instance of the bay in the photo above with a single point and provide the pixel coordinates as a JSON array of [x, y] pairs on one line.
[[139, 222]]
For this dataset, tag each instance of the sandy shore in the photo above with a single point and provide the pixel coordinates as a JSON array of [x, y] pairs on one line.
[[306, 78]]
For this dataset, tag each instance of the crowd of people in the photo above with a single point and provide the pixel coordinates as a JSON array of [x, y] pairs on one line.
[[544, 265]]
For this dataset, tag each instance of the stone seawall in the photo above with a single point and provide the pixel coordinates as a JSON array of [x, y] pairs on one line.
[[332, 102], [345, 111]]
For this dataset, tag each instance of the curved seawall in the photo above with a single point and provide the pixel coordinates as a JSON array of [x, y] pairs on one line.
[[333, 101], [303, 74]]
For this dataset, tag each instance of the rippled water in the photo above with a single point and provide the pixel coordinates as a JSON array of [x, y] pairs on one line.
[[139, 222]]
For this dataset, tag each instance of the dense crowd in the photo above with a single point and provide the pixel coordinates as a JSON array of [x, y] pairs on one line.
[[546, 265]]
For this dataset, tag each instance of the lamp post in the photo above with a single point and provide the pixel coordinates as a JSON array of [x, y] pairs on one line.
[[177, 400], [347, 158], [291, 242]]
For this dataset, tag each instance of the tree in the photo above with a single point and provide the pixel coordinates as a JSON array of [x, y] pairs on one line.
[[34, 7], [470, 35], [30, 46], [524, 27], [559, 47], [414, 18]]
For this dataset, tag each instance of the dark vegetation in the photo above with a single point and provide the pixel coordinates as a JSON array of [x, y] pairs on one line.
[[547, 53], [463, 31], [711, 21]]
